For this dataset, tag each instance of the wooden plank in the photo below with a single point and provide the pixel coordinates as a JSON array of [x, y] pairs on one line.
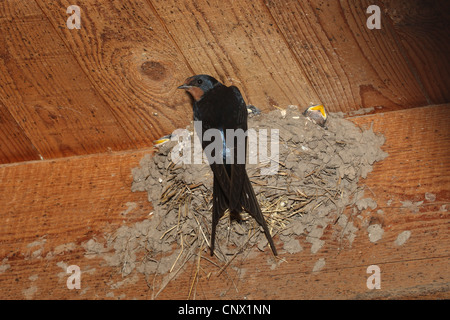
[[111, 84], [131, 62], [416, 269], [423, 29], [349, 66], [48, 208], [238, 43], [419, 157], [14, 144], [74, 193], [45, 90]]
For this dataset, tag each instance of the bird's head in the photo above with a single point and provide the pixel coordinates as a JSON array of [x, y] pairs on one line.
[[317, 114], [198, 85]]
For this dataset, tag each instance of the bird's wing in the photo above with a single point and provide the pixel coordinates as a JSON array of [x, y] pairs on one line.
[[222, 176], [242, 193], [220, 205], [238, 172]]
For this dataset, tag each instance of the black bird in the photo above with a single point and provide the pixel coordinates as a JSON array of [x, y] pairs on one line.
[[221, 107]]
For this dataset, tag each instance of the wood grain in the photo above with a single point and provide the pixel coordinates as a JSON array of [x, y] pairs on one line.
[[130, 61], [420, 153], [74, 194], [423, 29], [349, 66], [46, 92], [49, 208], [238, 43], [15, 146], [111, 85], [417, 268]]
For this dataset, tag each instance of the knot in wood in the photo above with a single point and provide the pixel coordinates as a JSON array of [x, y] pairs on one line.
[[153, 69]]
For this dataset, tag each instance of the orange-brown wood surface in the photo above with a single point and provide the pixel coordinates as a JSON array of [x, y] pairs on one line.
[[111, 85], [45, 90], [50, 208], [15, 144], [345, 62], [418, 27]]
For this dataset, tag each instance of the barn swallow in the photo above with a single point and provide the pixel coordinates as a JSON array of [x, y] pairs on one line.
[[220, 107], [253, 111], [317, 114], [162, 140]]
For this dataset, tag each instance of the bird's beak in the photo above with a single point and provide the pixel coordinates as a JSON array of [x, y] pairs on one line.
[[186, 85], [320, 108]]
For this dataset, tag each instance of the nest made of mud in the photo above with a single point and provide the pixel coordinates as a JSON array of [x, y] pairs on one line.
[[317, 176]]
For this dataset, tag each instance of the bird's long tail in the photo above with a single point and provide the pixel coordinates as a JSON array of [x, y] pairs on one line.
[[251, 205], [247, 200], [220, 204]]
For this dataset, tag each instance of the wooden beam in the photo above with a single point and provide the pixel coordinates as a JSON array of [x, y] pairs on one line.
[[423, 29], [239, 43], [46, 92], [15, 146], [131, 63], [51, 207], [349, 66], [111, 85]]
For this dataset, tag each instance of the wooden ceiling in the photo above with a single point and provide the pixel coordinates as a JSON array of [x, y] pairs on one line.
[[111, 85]]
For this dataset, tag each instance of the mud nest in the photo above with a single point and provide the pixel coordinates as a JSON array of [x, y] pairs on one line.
[[317, 176]]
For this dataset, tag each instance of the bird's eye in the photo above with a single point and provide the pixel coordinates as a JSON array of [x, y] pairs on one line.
[[199, 81]]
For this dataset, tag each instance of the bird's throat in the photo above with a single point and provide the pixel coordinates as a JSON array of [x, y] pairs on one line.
[[196, 93]]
